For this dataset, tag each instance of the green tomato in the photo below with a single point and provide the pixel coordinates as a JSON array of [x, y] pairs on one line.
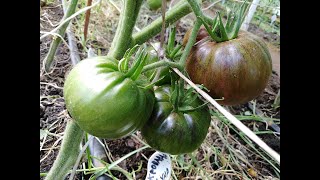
[[103, 101], [154, 4], [175, 132]]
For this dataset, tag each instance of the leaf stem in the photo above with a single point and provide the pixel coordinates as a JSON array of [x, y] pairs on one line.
[[161, 63]]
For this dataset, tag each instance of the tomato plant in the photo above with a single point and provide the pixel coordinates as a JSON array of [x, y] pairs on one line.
[[107, 100], [172, 52], [176, 127], [164, 76], [232, 65]]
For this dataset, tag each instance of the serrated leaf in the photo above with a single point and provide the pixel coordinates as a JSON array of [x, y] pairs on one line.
[[175, 51]]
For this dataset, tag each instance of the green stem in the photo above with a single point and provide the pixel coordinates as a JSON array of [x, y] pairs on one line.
[[196, 8], [160, 64], [178, 11], [190, 43], [123, 40], [68, 153], [54, 45]]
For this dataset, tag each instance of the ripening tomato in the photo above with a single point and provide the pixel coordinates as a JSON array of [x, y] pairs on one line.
[[175, 131], [104, 101], [237, 70]]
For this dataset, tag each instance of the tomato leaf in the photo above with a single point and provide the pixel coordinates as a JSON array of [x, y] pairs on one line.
[[175, 51], [171, 39], [142, 59], [128, 56], [191, 98], [190, 108]]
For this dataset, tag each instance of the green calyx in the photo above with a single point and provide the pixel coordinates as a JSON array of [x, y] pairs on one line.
[[182, 99], [136, 69], [173, 52], [220, 32]]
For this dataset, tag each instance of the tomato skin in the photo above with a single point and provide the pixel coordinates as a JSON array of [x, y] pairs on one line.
[[154, 4], [238, 69], [104, 102], [175, 132]]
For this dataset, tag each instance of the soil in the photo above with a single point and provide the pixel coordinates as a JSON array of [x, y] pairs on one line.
[[53, 113]]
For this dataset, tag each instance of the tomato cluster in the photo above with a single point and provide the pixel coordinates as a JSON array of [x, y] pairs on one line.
[[108, 99]]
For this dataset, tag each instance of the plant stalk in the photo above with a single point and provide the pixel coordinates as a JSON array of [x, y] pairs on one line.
[[68, 153], [178, 11], [61, 31], [161, 64], [191, 41], [123, 37], [196, 8], [74, 53]]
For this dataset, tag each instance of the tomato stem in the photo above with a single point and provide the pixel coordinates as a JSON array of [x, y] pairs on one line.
[[123, 37], [190, 42], [195, 8], [61, 31], [68, 153], [178, 11], [164, 62]]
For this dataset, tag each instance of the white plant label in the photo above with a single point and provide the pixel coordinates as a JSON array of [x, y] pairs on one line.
[[159, 166]]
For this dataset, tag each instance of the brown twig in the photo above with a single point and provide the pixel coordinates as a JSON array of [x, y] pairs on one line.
[[86, 22]]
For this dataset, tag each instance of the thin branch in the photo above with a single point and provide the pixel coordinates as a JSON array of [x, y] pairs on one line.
[[71, 17], [74, 52]]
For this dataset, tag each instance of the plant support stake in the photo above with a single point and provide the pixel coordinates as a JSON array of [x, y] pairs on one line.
[[233, 119], [250, 14]]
